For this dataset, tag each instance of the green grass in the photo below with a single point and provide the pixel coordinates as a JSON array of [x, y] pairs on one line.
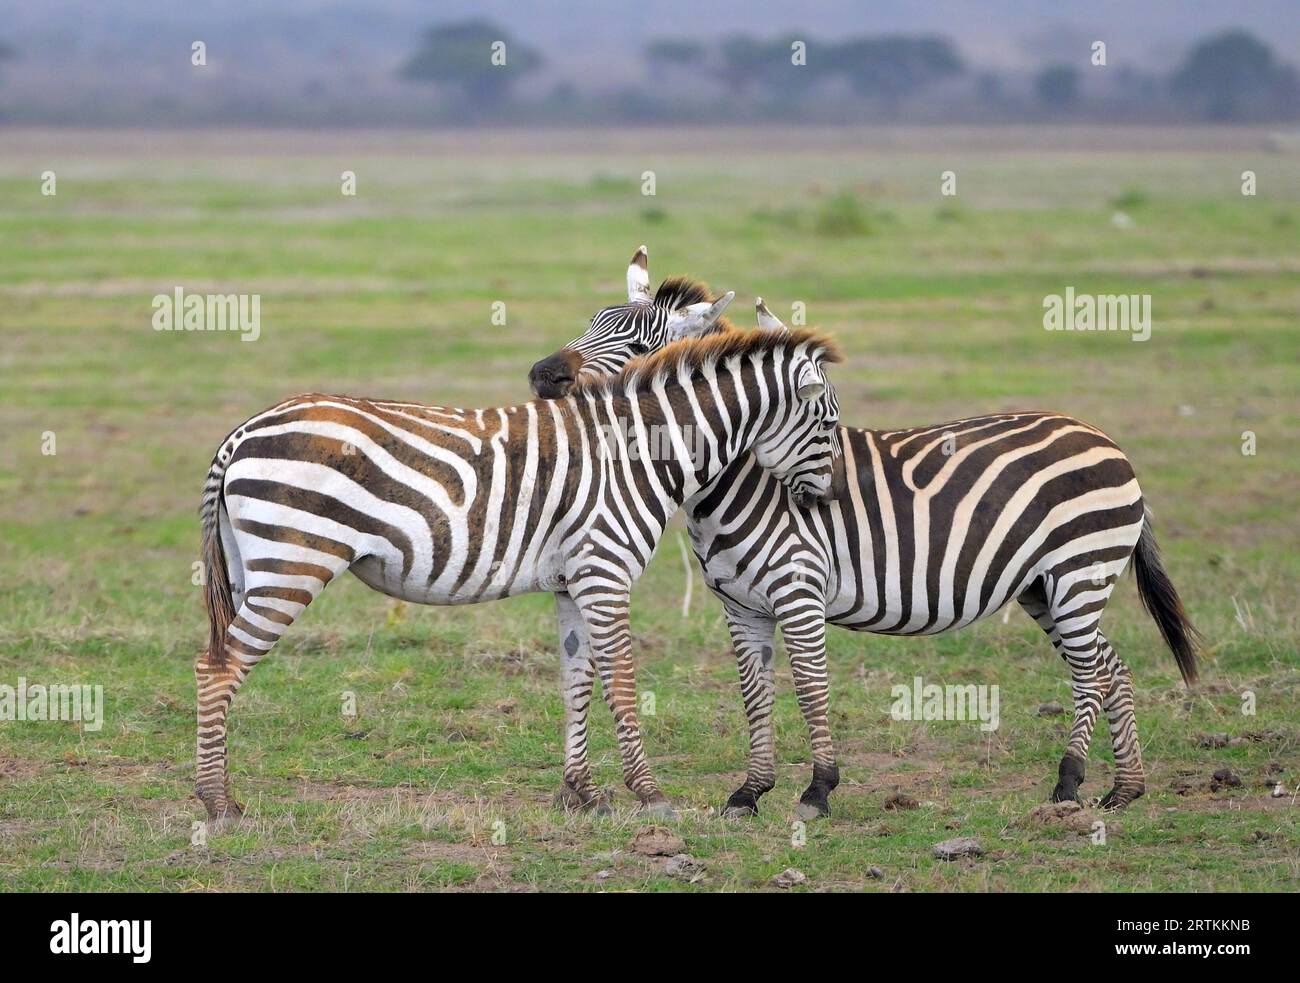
[[444, 779]]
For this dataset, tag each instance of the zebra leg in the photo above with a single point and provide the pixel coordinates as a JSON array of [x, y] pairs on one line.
[[1089, 683], [605, 613], [216, 688], [753, 637], [1130, 779], [260, 621], [577, 673], [1074, 634], [272, 582], [805, 640]]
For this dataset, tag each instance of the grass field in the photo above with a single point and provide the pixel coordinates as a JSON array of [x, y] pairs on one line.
[[444, 778]]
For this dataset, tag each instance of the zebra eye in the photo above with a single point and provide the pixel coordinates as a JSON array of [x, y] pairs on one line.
[[638, 349]]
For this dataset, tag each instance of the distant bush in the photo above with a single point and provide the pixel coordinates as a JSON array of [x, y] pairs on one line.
[[1129, 199], [842, 216]]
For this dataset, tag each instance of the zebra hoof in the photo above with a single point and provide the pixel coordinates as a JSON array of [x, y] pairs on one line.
[[227, 819], [1068, 779], [1066, 793], [661, 810], [740, 806], [572, 800], [814, 809], [223, 811], [1121, 796]]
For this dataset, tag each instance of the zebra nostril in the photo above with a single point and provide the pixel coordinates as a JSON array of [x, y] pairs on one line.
[[552, 377], [548, 386]]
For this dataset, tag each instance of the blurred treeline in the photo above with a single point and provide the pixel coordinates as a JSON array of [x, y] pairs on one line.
[[1230, 76], [477, 71]]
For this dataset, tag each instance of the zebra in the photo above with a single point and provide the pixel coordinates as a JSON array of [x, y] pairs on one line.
[[928, 529], [678, 309], [441, 505]]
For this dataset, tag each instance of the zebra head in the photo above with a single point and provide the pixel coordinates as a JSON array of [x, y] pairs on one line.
[[680, 308], [805, 452]]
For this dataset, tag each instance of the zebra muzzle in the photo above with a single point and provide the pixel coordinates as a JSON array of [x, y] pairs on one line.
[[554, 375]]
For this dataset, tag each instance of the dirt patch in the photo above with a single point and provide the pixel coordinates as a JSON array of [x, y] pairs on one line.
[[788, 878], [656, 841], [1261, 802], [15, 828], [1067, 817], [337, 792], [119, 769], [900, 800], [963, 846], [458, 852], [19, 769]]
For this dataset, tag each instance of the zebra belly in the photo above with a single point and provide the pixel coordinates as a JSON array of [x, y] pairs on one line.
[[938, 528], [891, 620], [386, 577], [863, 593]]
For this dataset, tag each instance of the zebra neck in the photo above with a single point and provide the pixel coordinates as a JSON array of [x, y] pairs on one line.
[[714, 426]]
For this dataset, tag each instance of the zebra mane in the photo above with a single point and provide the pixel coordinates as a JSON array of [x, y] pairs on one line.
[[698, 353], [677, 292], [681, 291]]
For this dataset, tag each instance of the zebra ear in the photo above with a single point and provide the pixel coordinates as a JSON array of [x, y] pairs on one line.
[[689, 322], [767, 321], [809, 382], [638, 277]]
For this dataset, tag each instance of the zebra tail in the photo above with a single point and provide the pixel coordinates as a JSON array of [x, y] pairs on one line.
[[217, 597], [1163, 603]]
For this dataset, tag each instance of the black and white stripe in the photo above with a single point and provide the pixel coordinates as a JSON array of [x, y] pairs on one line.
[[452, 506], [929, 530]]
